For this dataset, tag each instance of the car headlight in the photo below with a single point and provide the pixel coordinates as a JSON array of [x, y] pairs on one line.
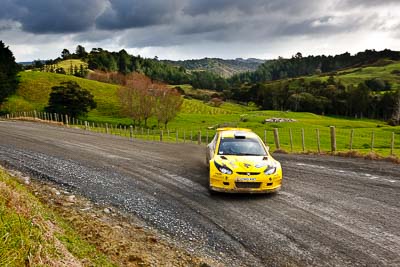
[[270, 169], [223, 169]]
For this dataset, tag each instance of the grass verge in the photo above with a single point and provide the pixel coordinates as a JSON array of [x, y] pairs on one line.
[[52, 227], [33, 235]]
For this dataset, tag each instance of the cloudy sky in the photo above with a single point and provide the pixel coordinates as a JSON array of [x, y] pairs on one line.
[[184, 29]]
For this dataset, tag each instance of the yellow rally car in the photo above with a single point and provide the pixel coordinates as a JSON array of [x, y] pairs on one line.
[[239, 161]]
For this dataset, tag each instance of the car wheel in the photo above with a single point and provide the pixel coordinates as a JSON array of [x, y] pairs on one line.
[[212, 192]]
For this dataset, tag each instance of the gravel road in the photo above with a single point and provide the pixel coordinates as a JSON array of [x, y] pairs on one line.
[[331, 211]]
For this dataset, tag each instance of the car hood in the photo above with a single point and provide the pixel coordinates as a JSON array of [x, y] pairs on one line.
[[245, 163]]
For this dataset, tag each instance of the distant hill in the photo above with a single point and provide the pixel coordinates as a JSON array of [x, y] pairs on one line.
[[25, 63], [223, 67]]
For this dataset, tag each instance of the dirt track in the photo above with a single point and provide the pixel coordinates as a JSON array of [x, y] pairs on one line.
[[331, 211]]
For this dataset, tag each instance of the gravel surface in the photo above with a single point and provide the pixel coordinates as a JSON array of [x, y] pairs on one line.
[[331, 211]]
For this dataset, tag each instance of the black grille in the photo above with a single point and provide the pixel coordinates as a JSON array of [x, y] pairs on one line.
[[248, 184], [248, 173]]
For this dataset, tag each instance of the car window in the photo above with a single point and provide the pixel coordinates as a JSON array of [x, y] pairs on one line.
[[245, 147], [214, 141]]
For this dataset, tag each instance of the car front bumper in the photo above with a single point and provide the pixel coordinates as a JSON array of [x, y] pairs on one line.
[[246, 190]]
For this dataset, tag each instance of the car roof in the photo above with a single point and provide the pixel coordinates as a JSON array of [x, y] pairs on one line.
[[232, 132]]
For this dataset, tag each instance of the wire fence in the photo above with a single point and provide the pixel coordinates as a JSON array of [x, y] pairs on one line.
[[315, 140]]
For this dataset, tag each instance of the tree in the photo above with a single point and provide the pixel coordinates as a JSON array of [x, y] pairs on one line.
[[137, 97], [168, 103], [65, 54], [38, 64], [69, 98], [8, 73], [123, 62], [80, 52]]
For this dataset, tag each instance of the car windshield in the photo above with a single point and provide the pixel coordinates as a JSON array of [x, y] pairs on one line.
[[243, 147]]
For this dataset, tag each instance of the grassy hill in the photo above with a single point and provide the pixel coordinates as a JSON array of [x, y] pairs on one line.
[[389, 71], [35, 87], [66, 64]]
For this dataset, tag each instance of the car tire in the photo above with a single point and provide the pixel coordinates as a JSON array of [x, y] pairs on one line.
[[212, 192]]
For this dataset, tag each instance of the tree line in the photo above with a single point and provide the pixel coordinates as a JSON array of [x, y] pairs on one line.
[[323, 97], [298, 65], [122, 62]]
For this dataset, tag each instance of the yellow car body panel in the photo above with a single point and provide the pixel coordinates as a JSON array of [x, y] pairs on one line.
[[247, 171]]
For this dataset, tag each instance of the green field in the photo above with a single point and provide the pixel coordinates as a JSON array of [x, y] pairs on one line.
[[195, 116], [69, 64]]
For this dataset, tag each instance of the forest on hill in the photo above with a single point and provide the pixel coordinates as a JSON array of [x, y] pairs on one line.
[[298, 65], [311, 84], [223, 67]]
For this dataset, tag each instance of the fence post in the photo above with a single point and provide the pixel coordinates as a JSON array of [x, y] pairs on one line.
[[34, 114], [392, 145], [131, 132], [265, 136], [161, 135], [303, 143], [86, 125], [276, 138], [176, 135], [372, 140], [199, 138], [291, 139], [106, 128], [318, 142], [66, 120], [351, 139], [333, 138]]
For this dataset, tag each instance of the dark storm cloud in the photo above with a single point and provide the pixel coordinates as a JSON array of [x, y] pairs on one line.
[[186, 17], [123, 14], [52, 16], [195, 7], [174, 24]]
